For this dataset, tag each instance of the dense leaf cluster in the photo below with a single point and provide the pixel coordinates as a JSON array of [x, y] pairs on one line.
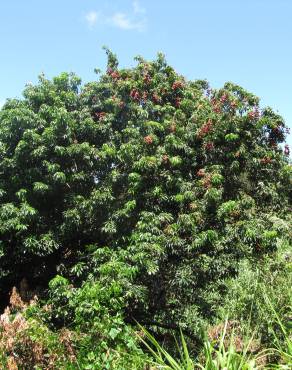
[[142, 189]]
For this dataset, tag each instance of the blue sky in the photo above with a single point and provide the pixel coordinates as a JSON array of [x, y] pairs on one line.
[[245, 41]]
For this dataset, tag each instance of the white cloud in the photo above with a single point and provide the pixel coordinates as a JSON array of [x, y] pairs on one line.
[[137, 8], [91, 18], [122, 21], [2, 103], [134, 20]]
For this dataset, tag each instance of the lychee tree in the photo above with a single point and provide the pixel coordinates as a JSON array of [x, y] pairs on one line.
[[142, 184]]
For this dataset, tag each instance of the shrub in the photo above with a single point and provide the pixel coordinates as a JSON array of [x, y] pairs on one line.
[[27, 343]]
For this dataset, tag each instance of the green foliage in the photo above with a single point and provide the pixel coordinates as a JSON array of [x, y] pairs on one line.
[[213, 356], [139, 194], [260, 298], [162, 358]]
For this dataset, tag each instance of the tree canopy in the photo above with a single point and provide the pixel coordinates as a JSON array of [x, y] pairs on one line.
[[141, 190]]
